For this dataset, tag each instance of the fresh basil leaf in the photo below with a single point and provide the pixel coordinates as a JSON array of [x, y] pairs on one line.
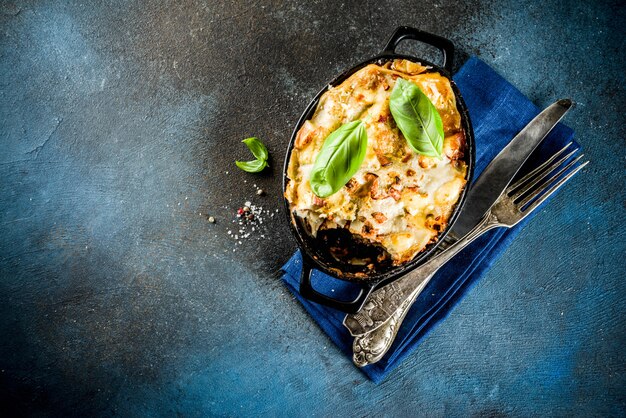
[[339, 158], [252, 166], [259, 151], [256, 147], [417, 118]]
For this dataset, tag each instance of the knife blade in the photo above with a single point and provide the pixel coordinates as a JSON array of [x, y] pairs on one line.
[[491, 183], [497, 176]]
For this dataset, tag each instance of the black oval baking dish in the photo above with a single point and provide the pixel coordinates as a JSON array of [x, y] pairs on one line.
[[315, 255]]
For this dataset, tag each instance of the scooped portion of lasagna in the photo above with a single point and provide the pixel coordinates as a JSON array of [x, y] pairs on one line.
[[398, 200]]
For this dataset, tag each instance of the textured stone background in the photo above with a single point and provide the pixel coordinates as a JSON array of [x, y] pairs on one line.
[[120, 125]]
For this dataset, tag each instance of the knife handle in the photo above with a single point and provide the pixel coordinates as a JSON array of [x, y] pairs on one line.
[[405, 32]]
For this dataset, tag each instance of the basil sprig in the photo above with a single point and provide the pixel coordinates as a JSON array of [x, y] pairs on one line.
[[339, 159], [260, 153], [417, 118]]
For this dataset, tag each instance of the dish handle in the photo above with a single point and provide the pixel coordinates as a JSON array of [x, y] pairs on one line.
[[405, 32], [307, 291]]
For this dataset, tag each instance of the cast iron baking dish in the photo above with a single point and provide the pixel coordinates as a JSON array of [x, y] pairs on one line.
[[314, 253]]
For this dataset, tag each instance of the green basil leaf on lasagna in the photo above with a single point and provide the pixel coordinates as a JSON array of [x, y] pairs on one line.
[[418, 119], [340, 157]]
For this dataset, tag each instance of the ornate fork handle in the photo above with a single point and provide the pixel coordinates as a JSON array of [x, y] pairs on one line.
[[384, 303], [372, 346]]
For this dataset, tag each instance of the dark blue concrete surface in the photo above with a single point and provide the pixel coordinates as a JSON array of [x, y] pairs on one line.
[[120, 125]]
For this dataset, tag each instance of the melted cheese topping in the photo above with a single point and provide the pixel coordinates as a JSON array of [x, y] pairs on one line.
[[397, 199]]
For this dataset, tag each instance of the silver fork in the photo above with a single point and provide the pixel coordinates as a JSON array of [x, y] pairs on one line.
[[513, 205]]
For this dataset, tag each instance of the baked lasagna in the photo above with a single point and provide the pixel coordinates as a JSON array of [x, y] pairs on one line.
[[397, 200]]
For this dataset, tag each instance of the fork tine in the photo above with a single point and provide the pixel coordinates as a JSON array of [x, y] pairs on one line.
[[533, 182], [553, 189], [541, 168], [534, 193]]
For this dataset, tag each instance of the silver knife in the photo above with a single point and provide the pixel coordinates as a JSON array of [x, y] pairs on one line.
[[498, 174], [494, 179]]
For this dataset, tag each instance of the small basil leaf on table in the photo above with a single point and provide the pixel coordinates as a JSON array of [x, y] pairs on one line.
[[260, 153], [252, 166], [418, 119], [339, 158], [256, 147]]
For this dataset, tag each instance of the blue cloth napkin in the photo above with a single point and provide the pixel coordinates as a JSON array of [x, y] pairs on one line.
[[498, 112]]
